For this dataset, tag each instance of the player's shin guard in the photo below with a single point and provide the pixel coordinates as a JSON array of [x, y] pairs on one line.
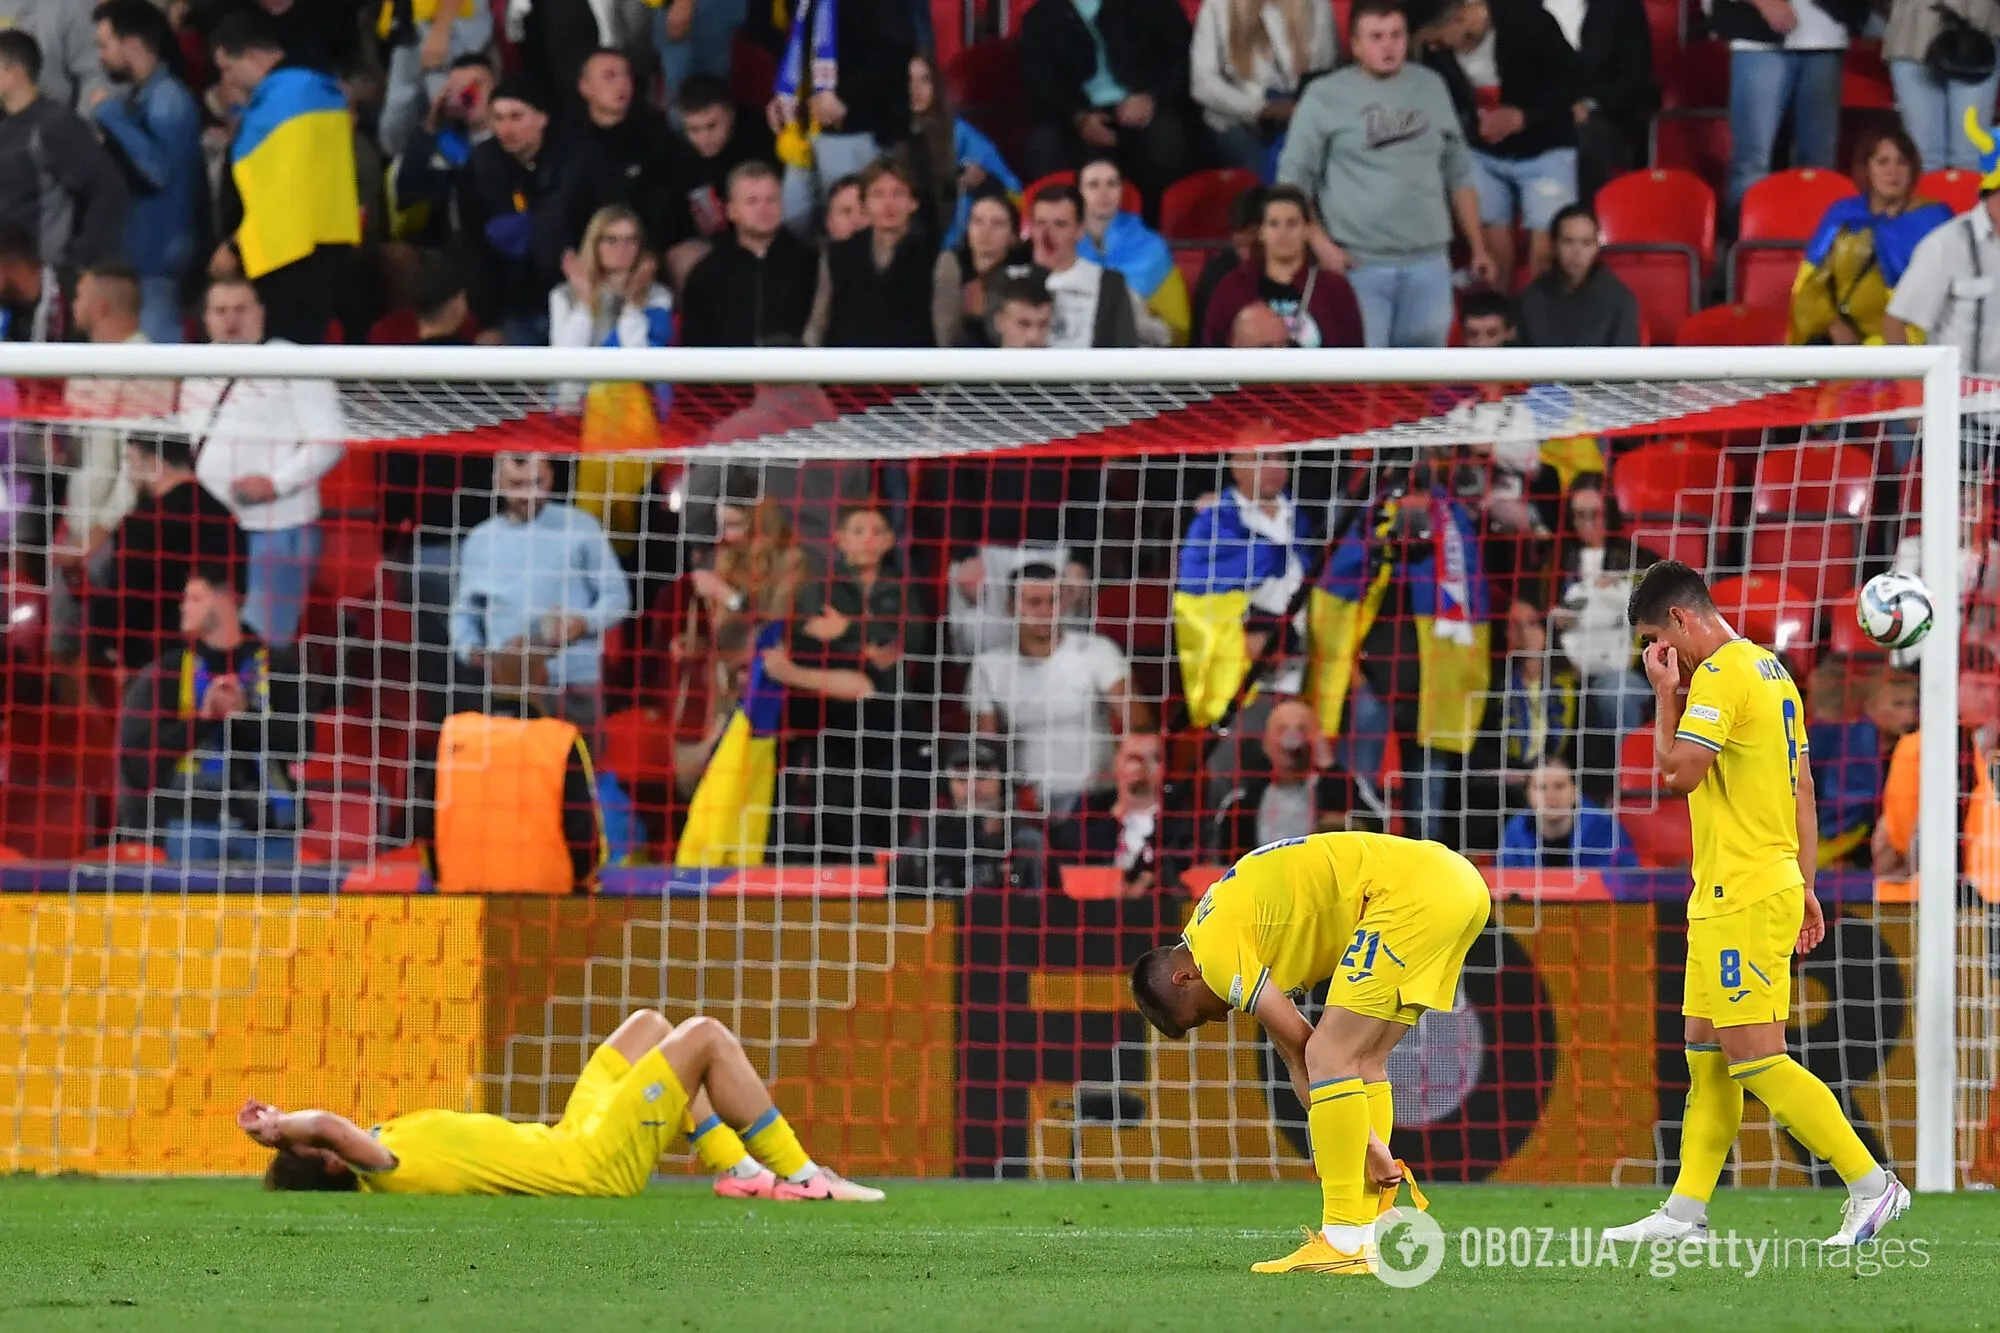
[[718, 1146], [1337, 1122], [1711, 1122], [771, 1139], [1808, 1110]]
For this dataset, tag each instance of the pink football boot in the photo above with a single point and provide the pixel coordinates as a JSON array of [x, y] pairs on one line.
[[826, 1185], [763, 1185]]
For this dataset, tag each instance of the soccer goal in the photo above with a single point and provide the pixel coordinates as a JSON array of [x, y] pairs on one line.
[[919, 693]]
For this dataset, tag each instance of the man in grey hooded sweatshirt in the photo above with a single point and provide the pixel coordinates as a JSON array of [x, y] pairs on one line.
[[1379, 146]]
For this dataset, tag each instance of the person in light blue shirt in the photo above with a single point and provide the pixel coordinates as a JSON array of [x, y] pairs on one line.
[[153, 128], [1563, 830], [538, 589]]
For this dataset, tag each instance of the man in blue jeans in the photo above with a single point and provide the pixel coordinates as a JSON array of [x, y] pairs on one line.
[[1793, 65], [1379, 146], [209, 733]]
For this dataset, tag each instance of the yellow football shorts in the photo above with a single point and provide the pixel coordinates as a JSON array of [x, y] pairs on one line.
[[1410, 944], [621, 1118], [1739, 966]]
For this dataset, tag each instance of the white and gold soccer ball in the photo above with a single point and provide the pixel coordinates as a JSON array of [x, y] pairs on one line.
[[1894, 610]]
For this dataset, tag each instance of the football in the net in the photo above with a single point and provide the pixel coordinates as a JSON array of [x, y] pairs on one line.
[[1894, 610]]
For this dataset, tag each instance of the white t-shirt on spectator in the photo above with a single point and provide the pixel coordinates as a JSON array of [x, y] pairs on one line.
[[1054, 709], [1817, 30]]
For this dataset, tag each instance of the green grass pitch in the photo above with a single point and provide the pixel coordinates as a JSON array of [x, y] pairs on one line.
[[220, 1255]]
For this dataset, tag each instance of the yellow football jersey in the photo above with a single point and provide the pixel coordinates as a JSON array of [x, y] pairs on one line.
[[1742, 705], [1285, 913], [452, 1152]]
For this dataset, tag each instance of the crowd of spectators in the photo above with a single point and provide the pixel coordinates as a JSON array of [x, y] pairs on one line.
[[539, 173]]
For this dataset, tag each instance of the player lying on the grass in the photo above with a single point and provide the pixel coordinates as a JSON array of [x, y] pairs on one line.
[[1387, 923], [1737, 751], [642, 1089]]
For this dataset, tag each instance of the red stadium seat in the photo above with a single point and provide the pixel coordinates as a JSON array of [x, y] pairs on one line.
[[1787, 205], [753, 74], [1197, 208], [1954, 187], [1659, 206], [1663, 27], [1696, 76], [1762, 273], [1695, 141], [1780, 213], [1653, 818], [1129, 201], [1136, 615], [45, 823], [340, 826], [1736, 326], [1809, 506], [1846, 638], [1864, 77], [1191, 260], [984, 81], [1665, 279], [1772, 612], [1675, 496]]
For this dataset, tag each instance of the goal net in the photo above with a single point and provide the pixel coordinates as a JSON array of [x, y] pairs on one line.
[[383, 725]]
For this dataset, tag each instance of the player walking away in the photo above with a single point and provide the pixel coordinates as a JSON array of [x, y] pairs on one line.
[[1387, 923], [642, 1089], [1738, 753]]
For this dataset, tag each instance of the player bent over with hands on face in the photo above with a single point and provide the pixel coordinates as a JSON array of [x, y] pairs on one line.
[[642, 1089], [1737, 751], [1387, 923]]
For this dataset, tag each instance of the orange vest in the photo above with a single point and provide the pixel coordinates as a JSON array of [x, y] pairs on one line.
[[499, 823], [1981, 834]]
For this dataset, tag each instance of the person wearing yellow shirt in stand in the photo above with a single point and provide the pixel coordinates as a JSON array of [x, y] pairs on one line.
[[642, 1089], [1386, 922], [1730, 735]]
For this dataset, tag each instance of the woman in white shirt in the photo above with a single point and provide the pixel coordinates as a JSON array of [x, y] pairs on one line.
[[609, 297], [1247, 63]]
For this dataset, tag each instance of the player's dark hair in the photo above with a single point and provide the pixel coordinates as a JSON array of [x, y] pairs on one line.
[[1152, 983], [1667, 585], [291, 1172]]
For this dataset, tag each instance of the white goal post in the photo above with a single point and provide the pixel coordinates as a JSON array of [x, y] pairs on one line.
[[1942, 1088]]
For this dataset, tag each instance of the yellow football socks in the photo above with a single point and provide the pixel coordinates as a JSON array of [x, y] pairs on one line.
[[716, 1144], [1381, 1109], [1710, 1123], [1808, 1110], [1337, 1123], [771, 1139]]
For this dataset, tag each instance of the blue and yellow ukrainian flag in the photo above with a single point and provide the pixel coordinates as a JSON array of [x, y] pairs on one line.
[[293, 163], [1221, 564], [729, 819], [1447, 596], [1146, 262]]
